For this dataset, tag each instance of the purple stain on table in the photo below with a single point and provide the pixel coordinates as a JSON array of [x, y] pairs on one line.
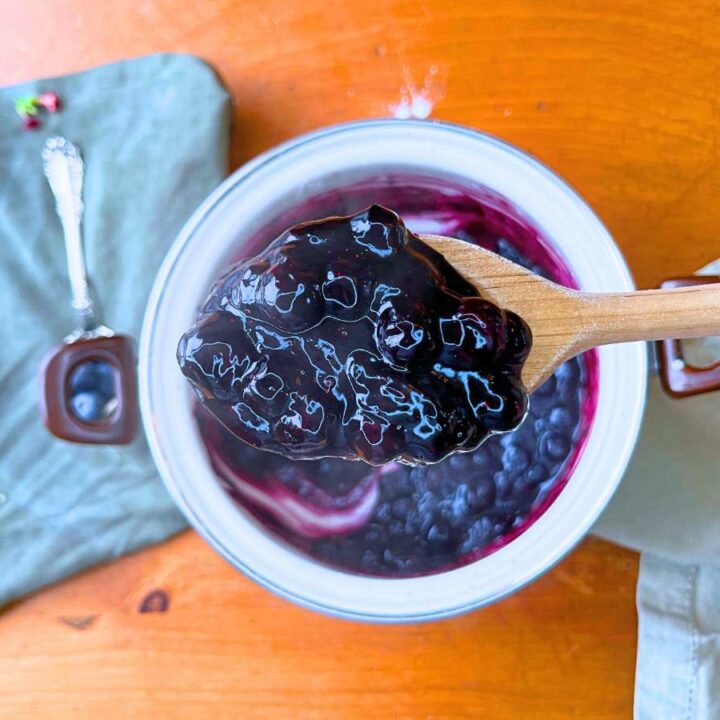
[[397, 520], [155, 601]]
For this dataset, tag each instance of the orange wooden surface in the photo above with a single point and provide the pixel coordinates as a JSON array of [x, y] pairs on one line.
[[620, 96], [562, 648]]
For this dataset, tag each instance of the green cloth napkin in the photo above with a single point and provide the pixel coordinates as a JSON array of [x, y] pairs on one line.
[[154, 134]]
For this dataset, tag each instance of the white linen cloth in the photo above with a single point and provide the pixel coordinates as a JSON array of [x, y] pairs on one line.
[[668, 508]]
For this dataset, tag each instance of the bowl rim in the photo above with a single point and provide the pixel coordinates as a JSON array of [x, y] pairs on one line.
[[145, 385]]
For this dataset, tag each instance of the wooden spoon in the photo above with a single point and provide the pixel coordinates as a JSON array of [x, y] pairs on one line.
[[567, 322]]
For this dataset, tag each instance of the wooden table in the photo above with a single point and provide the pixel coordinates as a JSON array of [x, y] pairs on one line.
[[618, 96]]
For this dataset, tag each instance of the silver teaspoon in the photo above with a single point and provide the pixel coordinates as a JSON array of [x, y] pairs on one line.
[[88, 384]]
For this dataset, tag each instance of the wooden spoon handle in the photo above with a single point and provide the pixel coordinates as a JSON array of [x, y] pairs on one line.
[[683, 312]]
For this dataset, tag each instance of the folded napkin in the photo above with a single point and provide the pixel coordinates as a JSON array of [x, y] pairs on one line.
[[668, 507], [154, 134]]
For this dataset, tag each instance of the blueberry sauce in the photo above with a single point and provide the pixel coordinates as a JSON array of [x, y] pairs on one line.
[[92, 392], [394, 520], [349, 337]]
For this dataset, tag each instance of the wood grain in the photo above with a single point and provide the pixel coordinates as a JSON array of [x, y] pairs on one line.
[[224, 648], [621, 98], [565, 322]]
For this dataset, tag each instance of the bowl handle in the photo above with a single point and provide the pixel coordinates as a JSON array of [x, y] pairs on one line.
[[678, 378]]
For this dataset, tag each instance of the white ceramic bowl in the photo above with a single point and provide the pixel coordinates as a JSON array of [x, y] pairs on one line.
[[286, 176]]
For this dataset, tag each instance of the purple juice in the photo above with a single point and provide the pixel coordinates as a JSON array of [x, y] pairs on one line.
[[396, 520]]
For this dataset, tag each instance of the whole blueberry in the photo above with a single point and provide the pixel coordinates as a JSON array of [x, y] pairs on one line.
[[461, 461], [562, 418], [555, 446], [93, 376], [484, 494], [537, 474], [400, 508], [547, 389], [477, 535], [438, 533], [516, 459], [402, 341]]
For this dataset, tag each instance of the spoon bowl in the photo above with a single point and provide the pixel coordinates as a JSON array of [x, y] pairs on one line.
[[88, 392]]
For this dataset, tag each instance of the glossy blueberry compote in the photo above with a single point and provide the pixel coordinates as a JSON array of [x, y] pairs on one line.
[[349, 337], [395, 519]]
